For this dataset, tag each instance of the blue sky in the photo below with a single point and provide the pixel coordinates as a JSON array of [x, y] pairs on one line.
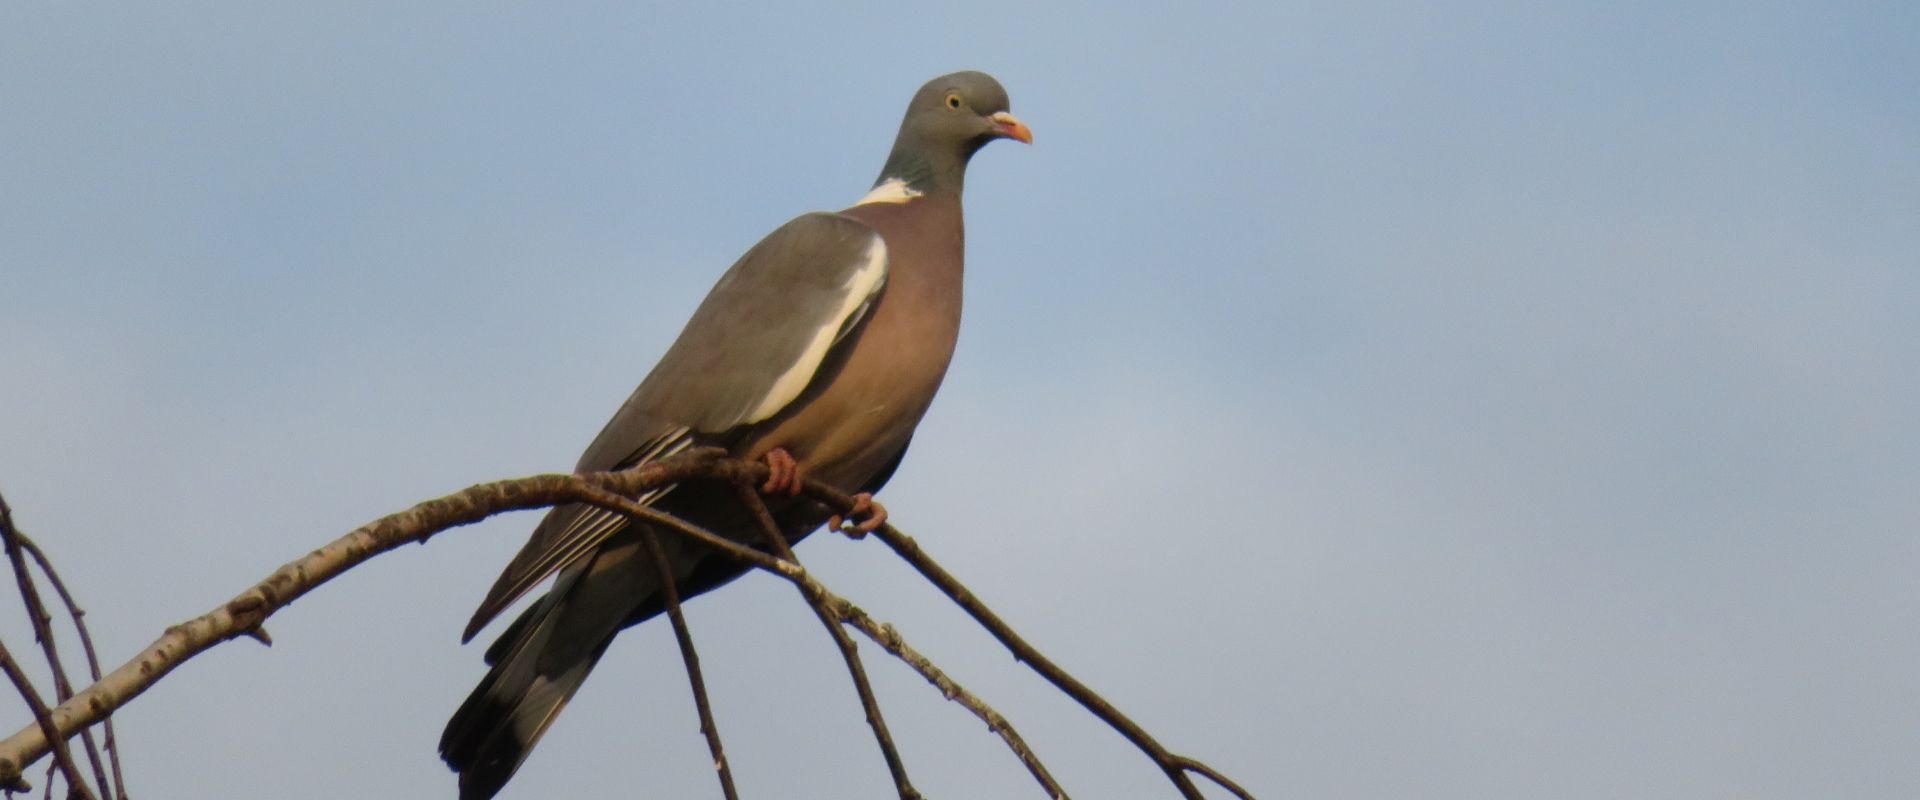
[[1377, 400]]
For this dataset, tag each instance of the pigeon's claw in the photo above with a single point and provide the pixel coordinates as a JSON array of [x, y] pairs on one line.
[[866, 516], [783, 473]]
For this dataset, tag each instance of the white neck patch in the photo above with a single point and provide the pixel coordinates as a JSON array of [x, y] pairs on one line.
[[891, 190]]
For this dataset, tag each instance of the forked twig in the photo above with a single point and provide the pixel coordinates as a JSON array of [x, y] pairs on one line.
[[1213, 775], [848, 651], [891, 641], [909, 550], [42, 631], [43, 721], [1176, 767], [118, 788]]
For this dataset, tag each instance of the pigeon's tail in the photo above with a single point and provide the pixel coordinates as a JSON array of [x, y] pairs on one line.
[[534, 673]]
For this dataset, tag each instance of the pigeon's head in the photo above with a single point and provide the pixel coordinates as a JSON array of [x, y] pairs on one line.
[[950, 119], [963, 111]]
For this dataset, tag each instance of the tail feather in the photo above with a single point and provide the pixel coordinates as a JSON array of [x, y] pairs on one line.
[[540, 661], [494, 730]]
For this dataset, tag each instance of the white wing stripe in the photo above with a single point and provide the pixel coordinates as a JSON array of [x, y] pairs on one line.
[[859, 289]]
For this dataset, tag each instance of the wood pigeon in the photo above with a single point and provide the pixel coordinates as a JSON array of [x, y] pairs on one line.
[[817, 352]]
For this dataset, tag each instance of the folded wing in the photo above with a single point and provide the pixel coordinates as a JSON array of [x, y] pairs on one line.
[[749, 352]]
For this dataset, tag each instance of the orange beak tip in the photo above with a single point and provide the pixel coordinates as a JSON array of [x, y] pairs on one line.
[[1013, 128]]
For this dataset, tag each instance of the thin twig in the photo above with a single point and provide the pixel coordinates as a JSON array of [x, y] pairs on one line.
[[43, 720], [43, 632], [1176, 767], [848, 651], [118, 789], [681, 633], [1214, 775], [908, 549], [890, 640], [18, 546]]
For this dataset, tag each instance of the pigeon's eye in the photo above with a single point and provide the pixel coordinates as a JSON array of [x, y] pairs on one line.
[[953, 101]]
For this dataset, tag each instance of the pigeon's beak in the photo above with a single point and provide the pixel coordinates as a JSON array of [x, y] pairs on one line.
[[1011, 127]]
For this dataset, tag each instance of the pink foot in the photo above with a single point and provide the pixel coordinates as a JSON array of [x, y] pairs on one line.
[[866, 516], [783, 473]]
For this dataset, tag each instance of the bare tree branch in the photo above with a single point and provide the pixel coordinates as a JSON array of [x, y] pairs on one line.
[[891, 641], [1213, 775], [248, 610], [43, 722], [1176, 767], [118, 789], [43, 631], [17, 544], [669, 587], [244, 614], [816, 597], [909, 549]]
